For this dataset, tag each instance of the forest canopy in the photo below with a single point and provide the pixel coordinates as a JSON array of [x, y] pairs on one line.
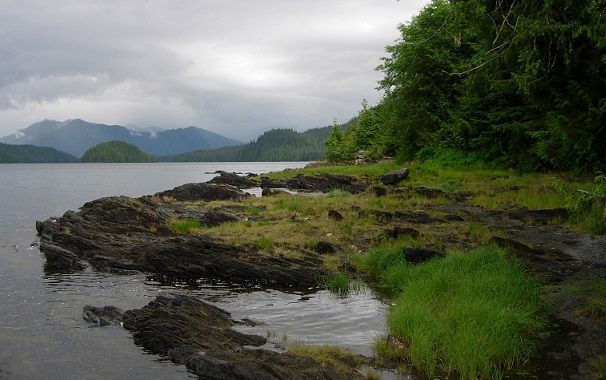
[[519, 83]]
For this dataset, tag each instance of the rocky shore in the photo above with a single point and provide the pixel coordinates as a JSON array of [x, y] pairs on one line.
[[122, 234]]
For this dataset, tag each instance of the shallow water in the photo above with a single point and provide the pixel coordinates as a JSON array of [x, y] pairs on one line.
[[42, 334]]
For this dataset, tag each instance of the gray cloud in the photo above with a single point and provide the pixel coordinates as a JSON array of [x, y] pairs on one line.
[[234, 67]]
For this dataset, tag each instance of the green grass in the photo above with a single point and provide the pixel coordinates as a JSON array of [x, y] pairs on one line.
[[600, 364], [184, 226], [472, 314], [341, 284], [338, 193], [595, 307], [265, 243], [328, 356]]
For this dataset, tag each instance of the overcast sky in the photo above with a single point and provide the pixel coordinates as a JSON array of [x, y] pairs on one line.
[[234, 67]]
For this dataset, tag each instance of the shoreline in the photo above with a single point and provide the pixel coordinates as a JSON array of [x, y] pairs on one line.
[[242, 241]]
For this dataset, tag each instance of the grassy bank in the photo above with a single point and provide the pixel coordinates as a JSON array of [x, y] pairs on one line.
[[473, 314]]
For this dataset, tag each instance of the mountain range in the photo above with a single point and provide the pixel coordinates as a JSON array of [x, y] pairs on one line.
[[76, 136]]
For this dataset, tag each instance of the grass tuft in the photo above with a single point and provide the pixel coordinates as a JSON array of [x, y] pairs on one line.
[[328, 356], [341, 284], [471, 314], [184, 226]]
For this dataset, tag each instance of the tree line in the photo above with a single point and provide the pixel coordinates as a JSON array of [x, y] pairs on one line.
[[519, 83]]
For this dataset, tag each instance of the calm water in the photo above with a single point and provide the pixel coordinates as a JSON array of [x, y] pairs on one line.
[[42, 335]]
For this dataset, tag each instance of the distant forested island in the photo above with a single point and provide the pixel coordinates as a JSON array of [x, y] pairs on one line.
[[273, 145], [32, 154], [116, 151]]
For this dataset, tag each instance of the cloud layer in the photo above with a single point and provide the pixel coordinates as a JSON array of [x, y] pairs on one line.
[[233, 67]]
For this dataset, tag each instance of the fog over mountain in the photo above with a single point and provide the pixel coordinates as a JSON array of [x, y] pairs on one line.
[[76, 136], [236, 67]]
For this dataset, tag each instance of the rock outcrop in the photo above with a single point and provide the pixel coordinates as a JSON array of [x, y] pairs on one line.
[[122, 234], [201, 336], [322, 183], [395, 177]]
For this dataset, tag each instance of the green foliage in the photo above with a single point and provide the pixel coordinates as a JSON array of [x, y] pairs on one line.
[[265, 243], [32, 154], [273, 145], [184, 226], [519, 84], [341, 284], [589, 206], [471, 314], [116, 151]]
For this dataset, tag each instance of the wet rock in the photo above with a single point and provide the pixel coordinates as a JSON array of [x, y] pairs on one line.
[[395, 177], [550, 264], [418, 255], [121, 235], [235, 180], [102, 316], [324, 247], [270, 192], [398, 231], [203, 192], [200, 336], [335, 215], [61, 259], [323, 183]]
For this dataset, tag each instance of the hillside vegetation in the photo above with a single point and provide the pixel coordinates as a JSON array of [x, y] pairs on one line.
[[519, 84], [273, 145], [116, 151], [32, 154]]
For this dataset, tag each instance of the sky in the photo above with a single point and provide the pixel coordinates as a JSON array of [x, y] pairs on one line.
[[233, 67]]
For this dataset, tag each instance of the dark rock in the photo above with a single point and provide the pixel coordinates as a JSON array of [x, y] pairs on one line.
[[542, 216], [270, 192], [235, 180], [323, 183], [415, 217], [380, 215], [335, 215], [102, 316], [324, 247], [550, 264], [397, 231], [454, 218], [395, 177], [379, 191], [200, 336], [121, 235], [216, 217], [61, 259], [429, 192], [203, 192], [418, 255]]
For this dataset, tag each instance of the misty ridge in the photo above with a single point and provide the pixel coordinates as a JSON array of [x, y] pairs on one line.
[[75, 136]]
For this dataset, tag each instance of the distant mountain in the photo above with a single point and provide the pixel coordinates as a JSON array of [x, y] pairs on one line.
[[116, 151], [76, 136], [32, 154], [273, 145]]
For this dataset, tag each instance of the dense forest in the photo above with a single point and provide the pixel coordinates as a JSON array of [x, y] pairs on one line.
[[519, 83], [116, 151], [273, 145], [32, 154]]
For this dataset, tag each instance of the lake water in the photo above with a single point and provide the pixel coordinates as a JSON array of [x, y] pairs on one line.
[[42, 334]]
